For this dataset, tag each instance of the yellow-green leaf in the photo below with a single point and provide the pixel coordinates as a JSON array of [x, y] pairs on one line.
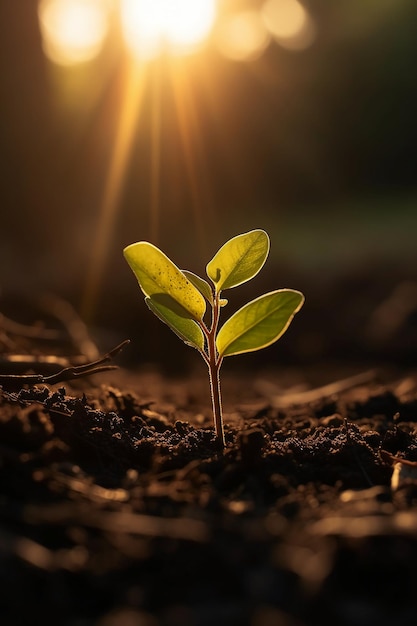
[[157, 274], [239, 259], [169, 312], [201, 284], [259, 323]]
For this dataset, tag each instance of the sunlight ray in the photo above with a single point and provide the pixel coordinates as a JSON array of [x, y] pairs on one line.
[[192, 153], [132, 99], [155, 156]]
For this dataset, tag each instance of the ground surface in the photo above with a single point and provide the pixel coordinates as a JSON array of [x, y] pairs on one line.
[[118, 509]]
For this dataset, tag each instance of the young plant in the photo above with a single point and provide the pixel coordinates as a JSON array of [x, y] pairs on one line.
[[180, 298]]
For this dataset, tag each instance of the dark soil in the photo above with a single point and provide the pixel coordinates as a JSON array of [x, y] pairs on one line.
[[118, 509]]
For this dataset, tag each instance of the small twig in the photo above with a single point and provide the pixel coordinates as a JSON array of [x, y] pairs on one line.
[[76, 328], [123, 522], [51, 362], [313, 395], [390, 459], [67, 373], [31, 332]]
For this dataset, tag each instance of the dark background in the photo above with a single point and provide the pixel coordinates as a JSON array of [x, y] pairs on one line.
[[316, 146]]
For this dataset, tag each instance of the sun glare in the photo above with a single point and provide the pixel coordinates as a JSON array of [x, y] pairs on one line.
[[73, 31], [76, 31], [290, 23], [178, 26], [242, 36]]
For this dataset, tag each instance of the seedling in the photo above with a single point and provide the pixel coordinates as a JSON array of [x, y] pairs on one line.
[[180, 298]]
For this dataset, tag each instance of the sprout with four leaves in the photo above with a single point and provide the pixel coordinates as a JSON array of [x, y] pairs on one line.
[[180, 298]]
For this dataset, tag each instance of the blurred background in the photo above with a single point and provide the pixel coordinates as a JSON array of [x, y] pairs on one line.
[[185, 122]]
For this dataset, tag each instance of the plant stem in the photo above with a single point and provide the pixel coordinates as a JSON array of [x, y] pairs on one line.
[[214, 363], [216, 401]]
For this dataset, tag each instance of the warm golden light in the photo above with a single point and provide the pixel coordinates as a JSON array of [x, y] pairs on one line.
[[289, 22], [134, 84], [242, 36], [73, 31], [153, 26]]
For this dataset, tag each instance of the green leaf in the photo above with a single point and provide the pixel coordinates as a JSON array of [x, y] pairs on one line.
[[201, 284], [239, 259], [169, 312], [259, 323], [157, 274]]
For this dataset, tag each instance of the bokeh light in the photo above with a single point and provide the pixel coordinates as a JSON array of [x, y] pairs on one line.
[[242, 36], [73, 31], [290, 23], [151, 27]]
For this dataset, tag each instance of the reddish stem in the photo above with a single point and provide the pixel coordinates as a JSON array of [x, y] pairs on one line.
[[214, 363]]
